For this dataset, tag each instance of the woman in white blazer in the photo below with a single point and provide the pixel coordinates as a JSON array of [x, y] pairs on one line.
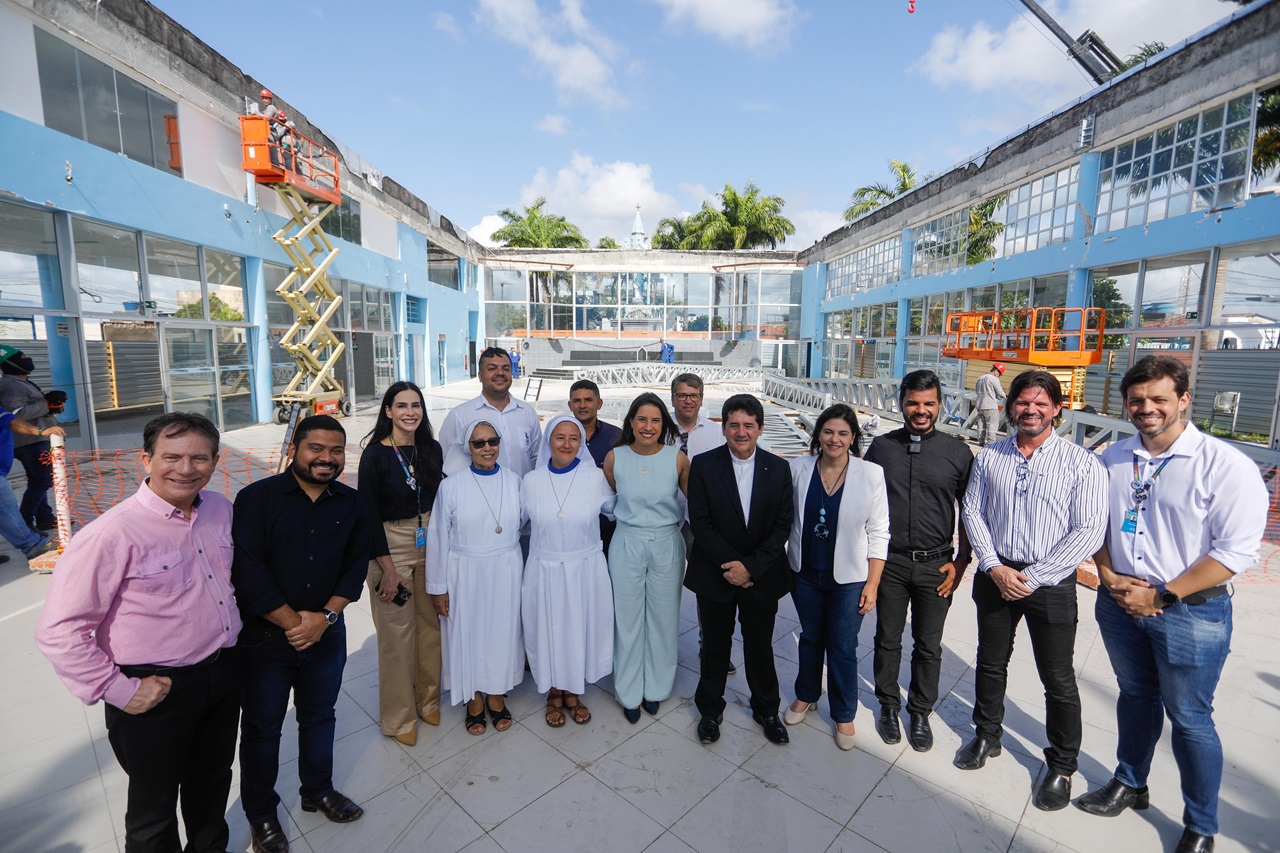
[[839, 541]]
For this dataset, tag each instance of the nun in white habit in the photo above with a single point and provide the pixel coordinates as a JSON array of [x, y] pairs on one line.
[[473, 576], [567, 600]]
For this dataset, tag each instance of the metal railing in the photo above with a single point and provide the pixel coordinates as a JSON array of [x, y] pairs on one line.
[[643, 373]]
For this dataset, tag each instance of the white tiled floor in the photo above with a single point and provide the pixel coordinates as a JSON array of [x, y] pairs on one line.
[[652, 787]]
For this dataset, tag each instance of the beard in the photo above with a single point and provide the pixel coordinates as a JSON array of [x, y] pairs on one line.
[[318, 478]]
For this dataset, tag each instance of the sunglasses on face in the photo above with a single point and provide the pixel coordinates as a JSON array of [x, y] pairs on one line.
[[478, 443]]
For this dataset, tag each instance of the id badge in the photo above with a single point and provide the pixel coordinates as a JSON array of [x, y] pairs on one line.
[[420, 537], [1130, 524]]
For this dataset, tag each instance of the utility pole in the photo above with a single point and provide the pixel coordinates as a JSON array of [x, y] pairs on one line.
[[1089, 51]]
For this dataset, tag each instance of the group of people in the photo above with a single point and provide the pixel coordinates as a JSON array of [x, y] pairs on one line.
[[501, 542]]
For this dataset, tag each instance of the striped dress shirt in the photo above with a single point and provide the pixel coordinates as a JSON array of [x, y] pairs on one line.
[[1049, 511]]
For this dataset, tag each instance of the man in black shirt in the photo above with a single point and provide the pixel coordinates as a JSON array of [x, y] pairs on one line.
[[925, 472], [302, 544]]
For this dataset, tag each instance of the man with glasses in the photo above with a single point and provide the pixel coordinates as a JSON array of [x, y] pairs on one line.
[[697, 433], [515, 420], [1188, 513], [1036, 507]]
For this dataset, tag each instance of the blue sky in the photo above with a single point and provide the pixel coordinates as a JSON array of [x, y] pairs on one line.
[[481, 105]]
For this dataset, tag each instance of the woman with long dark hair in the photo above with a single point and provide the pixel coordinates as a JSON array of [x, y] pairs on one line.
[[646, 556], [839, 541], [400, 472]]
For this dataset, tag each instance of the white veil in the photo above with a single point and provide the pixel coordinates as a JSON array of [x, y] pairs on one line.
[[457, 456], [544, 444]]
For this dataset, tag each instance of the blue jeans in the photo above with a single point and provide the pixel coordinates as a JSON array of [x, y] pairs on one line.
[[12, 527], [1170, 664], [829, 625], [269, 669]]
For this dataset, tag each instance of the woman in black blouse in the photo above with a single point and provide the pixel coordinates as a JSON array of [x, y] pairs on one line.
[[400, 470]]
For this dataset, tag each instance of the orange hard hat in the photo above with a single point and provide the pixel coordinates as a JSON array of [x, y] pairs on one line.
[[265, 93], [280, 116], [998, 366]]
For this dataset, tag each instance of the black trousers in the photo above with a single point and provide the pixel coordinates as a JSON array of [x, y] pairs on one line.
[[180, 749], [904, 583], [1051, 616], [757, 621]]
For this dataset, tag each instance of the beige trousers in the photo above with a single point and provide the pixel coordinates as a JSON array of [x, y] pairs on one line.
[[408, 636]]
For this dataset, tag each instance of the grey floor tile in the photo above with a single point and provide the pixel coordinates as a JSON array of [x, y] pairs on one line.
[[72, 818], [668, 843], [907, 813], [849, 841], [746, 813], [579, 814], [46, 766], [585, 744]]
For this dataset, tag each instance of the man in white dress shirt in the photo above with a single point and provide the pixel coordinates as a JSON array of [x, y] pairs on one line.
[[1188, 513], [516, 421]]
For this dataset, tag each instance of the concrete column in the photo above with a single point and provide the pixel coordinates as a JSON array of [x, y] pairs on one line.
[[1086, 197], [904, 305], [259, 338]]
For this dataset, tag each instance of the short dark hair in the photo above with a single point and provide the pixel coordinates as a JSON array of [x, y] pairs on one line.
[[493, 352], [648, 398], [1152, 368], [846, 414], [919, 380], [174, 424], [316, 423], [743, 403], [1041, 379], [692, 379], [584, 385]]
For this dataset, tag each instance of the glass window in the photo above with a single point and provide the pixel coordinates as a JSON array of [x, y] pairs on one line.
[[59, 87], [870, 266], [506, 320], [29, 273], [916, 325], [504, 285], [592, 319], [1051, 292], [699, 285], [173, 279], [1115, 289], [1015, 294], [235, 375], [278, 311], [984, 298], [890, 319], [1247, 291], [107, 268], [934, 310], [779, 288], [675, 286], [343, 222], [1264, 172], [372, 308], [1172, 290], [781, 322], [638, 288], [387, 301], [942, 244], [596, 288], [442, 266], [225, 274]]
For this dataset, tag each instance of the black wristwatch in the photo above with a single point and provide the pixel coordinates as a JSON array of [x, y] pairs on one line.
[[330, 617], [1167, 596], [963, 557]]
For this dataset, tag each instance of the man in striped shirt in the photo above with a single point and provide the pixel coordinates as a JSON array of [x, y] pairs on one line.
[[1036, 507]]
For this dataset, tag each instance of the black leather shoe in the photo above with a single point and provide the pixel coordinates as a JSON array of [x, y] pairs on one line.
[[632, 715], [337, 807], [887, 725], [1113, 798], [774, 730], [649, 707], [268, 837], [1054, 792], [976, 752], [921, 735], [709, 729], [1194, 842]]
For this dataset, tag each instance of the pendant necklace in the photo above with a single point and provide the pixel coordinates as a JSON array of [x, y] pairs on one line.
[[560, 503], [497, 525]]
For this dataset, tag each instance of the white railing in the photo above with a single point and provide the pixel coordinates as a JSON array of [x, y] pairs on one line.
[[643, 373]]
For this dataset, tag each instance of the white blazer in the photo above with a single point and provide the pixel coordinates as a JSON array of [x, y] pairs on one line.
[[862, 528]]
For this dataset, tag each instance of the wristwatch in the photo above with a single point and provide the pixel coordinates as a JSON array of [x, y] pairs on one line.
[[330, 617], [1167, 596], [963, 557]]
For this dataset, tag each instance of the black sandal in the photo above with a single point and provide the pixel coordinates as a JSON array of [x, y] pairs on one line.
[[473, 720], [504, 713]]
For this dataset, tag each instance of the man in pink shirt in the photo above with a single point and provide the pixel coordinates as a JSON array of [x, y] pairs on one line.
[[142, 616]]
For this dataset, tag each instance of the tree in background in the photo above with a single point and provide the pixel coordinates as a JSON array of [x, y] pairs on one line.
[[539, 230], [744, 220], [607, 243], [868, 198], [672, 233], [984, 229]]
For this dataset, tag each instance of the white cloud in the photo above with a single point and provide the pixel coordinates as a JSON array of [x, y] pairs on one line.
[[446, 23], [554, 124], [601, 198], [757, 24], [811, 225], [482, 232], [564, 46], [1024, 61]]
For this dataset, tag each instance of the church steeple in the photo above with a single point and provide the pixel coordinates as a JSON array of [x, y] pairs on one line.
[[639, 239]]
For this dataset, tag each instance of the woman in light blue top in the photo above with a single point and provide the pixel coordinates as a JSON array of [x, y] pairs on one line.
[[646, 557]]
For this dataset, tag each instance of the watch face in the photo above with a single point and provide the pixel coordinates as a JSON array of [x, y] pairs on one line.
[[1169, 598]]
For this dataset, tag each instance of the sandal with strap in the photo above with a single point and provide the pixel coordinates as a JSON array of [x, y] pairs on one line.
[[555, 709], [581, 713], [474, 720], [499, 715]]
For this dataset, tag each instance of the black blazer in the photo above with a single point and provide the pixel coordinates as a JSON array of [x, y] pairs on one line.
[[721, 535]]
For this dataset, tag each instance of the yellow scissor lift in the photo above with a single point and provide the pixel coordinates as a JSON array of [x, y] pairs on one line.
[[305, 176]]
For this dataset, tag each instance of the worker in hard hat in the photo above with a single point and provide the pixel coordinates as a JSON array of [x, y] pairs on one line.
[[990, 396], [269, 109]]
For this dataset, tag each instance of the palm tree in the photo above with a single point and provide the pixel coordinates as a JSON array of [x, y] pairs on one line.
[[745, 220], [607, 242], [980, 240], [868, 198], [538, 230], [672, 233], [1145, 51]]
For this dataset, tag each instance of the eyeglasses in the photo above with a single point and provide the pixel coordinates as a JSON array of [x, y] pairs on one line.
[[685, 398], [478, 443], [1024, 477]]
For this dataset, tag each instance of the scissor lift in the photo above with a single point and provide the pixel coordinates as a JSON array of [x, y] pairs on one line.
[[1063, 341], [305, 176]]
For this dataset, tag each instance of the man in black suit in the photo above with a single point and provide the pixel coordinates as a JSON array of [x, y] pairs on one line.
[[740, 511]]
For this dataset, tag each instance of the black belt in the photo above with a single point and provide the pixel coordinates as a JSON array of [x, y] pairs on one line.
[[1204, 595], [924, 556], [142, 670]]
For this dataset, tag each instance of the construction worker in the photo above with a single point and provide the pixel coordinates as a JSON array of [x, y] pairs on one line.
[[269, 108], [990, 395]]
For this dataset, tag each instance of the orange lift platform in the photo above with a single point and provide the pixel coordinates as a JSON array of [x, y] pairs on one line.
[[1063, 341], [305, 177]]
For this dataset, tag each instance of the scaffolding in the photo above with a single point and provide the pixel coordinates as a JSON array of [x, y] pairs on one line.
[[305, 177]]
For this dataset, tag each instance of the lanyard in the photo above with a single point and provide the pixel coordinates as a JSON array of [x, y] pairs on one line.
[[1141, 490], [410, 480]]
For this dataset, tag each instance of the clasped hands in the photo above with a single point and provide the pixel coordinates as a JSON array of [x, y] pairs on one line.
[[737, 574]]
